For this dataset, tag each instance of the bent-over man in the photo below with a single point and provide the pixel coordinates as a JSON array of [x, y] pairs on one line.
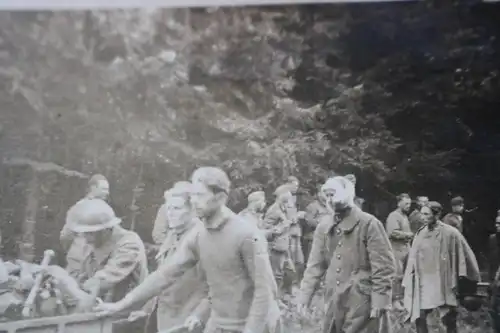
[[255, 208]]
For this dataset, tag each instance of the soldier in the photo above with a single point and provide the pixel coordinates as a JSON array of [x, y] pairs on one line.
[[160, 227], [416, 221], [233, 255], [352, 251], [255, 208], [314, 213], [277, 226], [494, 250], [113, 260], [189, 294], [455, 217], [98, 188], [438, 259], [400, 235]]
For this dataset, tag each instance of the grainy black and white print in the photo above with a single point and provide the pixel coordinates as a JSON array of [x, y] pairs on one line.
[[275, 169]]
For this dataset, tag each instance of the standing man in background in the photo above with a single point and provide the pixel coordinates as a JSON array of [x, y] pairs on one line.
[[314, 213], [455, 218], [255, 208], [400, 235], [416, 221]]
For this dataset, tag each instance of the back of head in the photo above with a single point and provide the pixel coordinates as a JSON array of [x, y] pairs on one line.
[[95, 179], [457, 201]]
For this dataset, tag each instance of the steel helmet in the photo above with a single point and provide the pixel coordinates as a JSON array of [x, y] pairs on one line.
[[91, 215]]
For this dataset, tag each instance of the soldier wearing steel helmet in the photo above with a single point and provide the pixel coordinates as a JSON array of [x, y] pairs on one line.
[[114, 259]]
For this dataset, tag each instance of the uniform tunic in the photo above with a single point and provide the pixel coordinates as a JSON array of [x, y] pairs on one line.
[[398, 229], [355, 257], [189, 295], [119, 265], [233, 255]]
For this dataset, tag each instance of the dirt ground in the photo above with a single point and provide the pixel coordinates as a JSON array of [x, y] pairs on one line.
[[468, 322]]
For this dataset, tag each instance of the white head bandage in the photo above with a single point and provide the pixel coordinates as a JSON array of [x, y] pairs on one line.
[[344, 192]]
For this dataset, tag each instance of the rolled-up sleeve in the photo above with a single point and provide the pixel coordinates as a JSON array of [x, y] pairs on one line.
[[382, 264]]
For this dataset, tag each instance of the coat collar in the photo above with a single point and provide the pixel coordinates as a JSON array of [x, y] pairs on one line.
[[349, 222]]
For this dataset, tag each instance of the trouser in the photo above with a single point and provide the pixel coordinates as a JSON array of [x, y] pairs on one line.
[[278, 261], [306, 247], [448, 322], [495, 310]]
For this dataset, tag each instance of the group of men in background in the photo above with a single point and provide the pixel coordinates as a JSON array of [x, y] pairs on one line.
[[222, 272]]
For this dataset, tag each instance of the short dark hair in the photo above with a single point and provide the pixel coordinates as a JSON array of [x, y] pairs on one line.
[[403, 196], [436, 208], [457, 201], [95, 179]]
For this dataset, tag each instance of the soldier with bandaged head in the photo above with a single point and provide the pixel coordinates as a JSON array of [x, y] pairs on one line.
[[352, 252]]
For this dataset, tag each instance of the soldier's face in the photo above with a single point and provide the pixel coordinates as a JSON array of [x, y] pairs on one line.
[[97, 238], [422, 202], [497, 225], [204, 201], [100, 190], [458, 209], [426, 215], [177, 210], [405, 204]]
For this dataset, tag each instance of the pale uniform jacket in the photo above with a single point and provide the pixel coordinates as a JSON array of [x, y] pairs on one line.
[[457, 260], [277, 224], [356, 261], [314, 213], [398, 230], [189, 296], [233, 255], [120, 265], [252, 216]]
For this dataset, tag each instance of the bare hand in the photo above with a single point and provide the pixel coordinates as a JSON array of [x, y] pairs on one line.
[[192, 322], [302, 310], [137, 315], [108, 309]]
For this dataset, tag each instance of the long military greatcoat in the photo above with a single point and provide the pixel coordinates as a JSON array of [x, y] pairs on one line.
[[357, 263]]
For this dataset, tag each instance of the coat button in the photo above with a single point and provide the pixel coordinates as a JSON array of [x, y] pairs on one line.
[[340, 243], [338, 256], [338, 270], [338, 231], [338, 282]]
